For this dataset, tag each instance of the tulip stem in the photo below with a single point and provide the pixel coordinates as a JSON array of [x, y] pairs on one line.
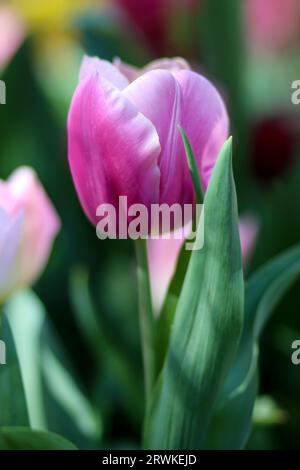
[[146, 315]]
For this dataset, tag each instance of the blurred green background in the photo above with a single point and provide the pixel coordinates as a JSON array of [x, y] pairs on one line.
[[89, 287]]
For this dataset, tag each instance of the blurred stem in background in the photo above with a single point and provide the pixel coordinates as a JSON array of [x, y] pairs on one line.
[[146, 315]]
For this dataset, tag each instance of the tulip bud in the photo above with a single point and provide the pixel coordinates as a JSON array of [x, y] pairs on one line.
[[28, 225], [123, 137]]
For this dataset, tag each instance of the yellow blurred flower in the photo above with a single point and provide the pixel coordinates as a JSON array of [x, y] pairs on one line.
[[51, 15]]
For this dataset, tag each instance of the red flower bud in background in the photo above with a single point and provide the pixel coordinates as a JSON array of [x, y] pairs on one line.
[[273, 147], [153, 19]]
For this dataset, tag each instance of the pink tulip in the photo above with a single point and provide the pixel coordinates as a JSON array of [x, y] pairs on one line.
[[124, 140], [273, 25], [29, 224], [163, 256], [12, 31]]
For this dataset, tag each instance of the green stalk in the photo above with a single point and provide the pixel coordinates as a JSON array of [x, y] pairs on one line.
[[146, 316]]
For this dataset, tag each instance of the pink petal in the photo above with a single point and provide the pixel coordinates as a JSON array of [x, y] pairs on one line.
[[173, 65], [157, 95], [105, 69], [41, 223], [132, 73], [193, 102], [10, 236], [113, 148], [204, 119], [129, 71]]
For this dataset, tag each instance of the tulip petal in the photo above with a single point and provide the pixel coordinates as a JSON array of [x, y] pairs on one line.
[[129, 71], [173, 65], [41, 223], [10, 236], [90, 65], [204, 120], [157, 95], [113, 148], [132, 73]]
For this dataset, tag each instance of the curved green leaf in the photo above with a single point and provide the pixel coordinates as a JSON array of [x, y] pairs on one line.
[[26, 315], [13, 409], [206, 327], [22, 438], [263, 291]]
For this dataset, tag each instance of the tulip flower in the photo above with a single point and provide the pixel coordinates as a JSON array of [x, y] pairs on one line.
[[28, 225], [163, 255], [123, 137]]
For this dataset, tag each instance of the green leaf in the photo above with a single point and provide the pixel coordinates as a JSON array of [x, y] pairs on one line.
[[268, 285], [193, 167], [166, 317], [44, 375], [121, 372], [207, 324], [26, 316], [230, 424], [146, 316], [66, 392], [22, 438], [13, 409], [263, 291]]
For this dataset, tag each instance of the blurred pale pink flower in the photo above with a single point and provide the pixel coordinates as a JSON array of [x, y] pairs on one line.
[[10, 236], [29, 224], [12, 32], [162, 259], [163, 255], [123, 137], [249, 228], [273, 25]]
